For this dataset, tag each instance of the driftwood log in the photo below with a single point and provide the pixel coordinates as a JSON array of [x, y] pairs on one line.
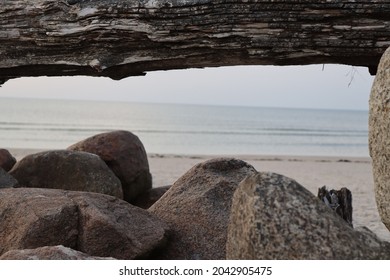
[[340, 201], [121, 38]]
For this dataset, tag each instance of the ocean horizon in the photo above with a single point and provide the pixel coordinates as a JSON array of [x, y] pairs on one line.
[[186, 129]]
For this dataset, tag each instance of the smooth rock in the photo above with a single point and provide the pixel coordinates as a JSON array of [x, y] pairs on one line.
[[125, 154], [273, 217], [379, 137], [7, 161], [6, 180], [148, 198], [197, 209], [67, 170], [58, 252], [96, 224]]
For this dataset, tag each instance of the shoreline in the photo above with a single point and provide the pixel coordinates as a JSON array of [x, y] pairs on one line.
[[312, 172]]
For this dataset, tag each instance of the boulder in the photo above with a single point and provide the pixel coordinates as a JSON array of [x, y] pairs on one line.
[[115, 228], [273, 217], [197, 209], [7, 161], [148, 198], [32, 218], [379, 135], [58, 252], [68, 170], [6, 180], [95, 224], [125, 154]]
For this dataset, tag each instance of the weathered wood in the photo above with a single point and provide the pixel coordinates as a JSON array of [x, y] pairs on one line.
[[339, 201], [121, 38]]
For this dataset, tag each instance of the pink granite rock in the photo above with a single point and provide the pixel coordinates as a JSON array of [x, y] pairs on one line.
[[125, 154]]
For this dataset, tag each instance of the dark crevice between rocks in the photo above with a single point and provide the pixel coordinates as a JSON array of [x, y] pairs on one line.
[[158, 252]]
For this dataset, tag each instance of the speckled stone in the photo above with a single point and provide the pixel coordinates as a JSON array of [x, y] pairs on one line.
[[379, 137], [92, 223], [58, 252], [67, 170], [273, 217], [197, 209]]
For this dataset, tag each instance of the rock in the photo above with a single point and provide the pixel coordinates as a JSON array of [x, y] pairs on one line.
[[68, 170], [197, 209], [6, 180], [273, 217], [7, 161], [58, 252], [379, 135], [148, 198], [32, 218], [115, 226], [95, 224], [125, 154]]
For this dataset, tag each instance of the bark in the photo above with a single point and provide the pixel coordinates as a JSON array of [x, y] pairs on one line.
[[339, 201], [121, 38]]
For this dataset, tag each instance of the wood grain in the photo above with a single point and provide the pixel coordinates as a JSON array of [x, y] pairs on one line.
[[125, 38]]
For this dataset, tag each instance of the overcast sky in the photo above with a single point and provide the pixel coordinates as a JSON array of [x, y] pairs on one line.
[[315, 86]]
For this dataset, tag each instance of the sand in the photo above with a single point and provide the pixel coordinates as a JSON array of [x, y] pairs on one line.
[[311, 172]]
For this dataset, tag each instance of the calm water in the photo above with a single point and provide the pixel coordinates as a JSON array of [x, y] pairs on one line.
[[186, 129]]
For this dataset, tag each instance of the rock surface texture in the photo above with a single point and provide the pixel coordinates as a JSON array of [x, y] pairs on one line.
[[58, 252], [96, 224], [125, 154], [68, 170], [379, 137], [125, 38], [273, 217], [6, 180], [7, 161], [197, 208]]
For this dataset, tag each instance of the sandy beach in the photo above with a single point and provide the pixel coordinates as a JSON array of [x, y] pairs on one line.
[[311, 172]]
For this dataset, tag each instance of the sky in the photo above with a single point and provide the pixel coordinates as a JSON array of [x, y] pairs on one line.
[[314, 86]]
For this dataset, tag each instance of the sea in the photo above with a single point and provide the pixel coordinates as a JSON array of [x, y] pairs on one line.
[[180, 129]]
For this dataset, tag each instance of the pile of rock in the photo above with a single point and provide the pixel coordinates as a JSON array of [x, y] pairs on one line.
[[79, 203], [96, 224]]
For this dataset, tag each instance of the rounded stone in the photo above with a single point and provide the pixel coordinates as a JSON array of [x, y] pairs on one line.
[[274, 217], [379, 137], [125, 155], [197, 209], [67, 170], [7, 161]]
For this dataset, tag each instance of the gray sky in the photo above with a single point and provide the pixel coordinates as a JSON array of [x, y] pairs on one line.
[[314, 86]]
